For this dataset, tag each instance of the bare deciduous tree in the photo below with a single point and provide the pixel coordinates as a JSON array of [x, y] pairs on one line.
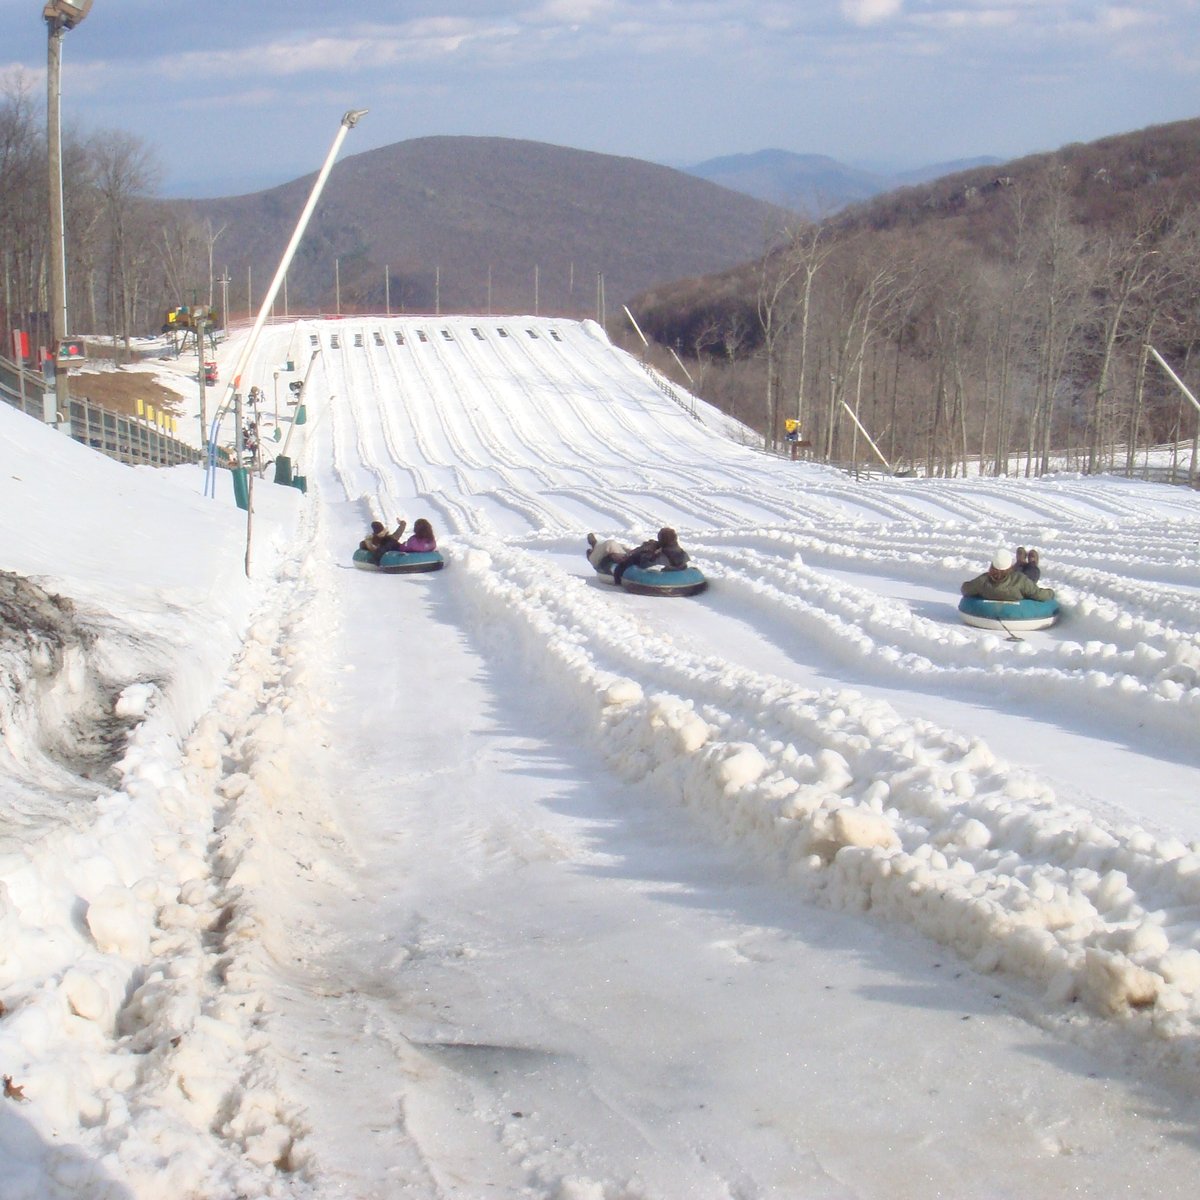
[[125, 174]]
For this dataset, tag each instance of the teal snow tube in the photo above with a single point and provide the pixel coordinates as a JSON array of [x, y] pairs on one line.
[[394, 562], [663, 581], [1010, 615]]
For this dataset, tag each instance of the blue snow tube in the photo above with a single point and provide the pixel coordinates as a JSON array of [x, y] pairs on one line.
[[1020, 615], [661, 581], [394, 562]]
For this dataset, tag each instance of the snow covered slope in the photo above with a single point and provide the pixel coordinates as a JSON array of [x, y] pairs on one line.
[[1030, 805], [504, 882]]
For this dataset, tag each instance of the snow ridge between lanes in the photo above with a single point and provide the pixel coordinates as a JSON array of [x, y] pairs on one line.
[[864, 810], [900, 644]]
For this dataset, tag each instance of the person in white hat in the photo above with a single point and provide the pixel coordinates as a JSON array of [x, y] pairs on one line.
[[1002, 581]]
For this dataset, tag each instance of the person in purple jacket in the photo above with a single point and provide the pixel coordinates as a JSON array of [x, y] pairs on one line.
[[422, 540]]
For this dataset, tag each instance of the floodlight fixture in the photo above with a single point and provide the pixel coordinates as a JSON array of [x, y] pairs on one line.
[[66, 13]]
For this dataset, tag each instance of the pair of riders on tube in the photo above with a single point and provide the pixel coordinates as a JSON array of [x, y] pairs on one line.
[[661, 551], [379, 542]]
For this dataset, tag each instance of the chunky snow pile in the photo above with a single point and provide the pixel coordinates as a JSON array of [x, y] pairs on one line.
[[869, 811], [128, 1009]]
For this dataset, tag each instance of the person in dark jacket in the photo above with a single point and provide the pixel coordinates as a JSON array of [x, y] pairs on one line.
[[1002, 581], [1027, 563], [378, 542], [662, 551]]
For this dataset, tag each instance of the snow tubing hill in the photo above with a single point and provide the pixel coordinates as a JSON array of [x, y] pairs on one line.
[[1019, 615], [395, 563], [661, 581]]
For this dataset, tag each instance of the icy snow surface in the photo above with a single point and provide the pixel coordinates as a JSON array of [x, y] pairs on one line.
[[502, 882]]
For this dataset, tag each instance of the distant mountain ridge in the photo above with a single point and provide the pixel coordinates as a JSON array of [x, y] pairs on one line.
[[472, 223], [814, 184]]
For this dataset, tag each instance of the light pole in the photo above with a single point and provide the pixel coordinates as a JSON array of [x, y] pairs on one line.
[[235, 382], [59, 16]]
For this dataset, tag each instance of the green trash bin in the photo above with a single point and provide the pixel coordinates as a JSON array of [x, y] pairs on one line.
[[301, 416], [283, 469], [241, 487], [291, 366], [301, 482]]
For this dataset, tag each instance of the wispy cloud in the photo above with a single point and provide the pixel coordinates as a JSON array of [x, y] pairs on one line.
[[848, 77], [870, 12]]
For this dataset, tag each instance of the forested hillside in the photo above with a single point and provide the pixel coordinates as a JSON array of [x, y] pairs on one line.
[[996, 314], [468, 224]]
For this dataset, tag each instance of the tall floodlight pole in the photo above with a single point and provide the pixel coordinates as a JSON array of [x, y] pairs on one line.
[[59, 16], [233, 388], [1166, 366]]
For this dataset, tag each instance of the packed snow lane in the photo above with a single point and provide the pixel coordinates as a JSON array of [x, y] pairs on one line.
[[623, 856], [516, 971]]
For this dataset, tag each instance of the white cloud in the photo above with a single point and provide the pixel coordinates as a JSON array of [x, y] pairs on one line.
[[420, 40], [1117, 19], [569, 12], [870, 12]]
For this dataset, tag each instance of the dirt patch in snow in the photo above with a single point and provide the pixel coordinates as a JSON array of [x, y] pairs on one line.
[[119, 390], [53, 695]]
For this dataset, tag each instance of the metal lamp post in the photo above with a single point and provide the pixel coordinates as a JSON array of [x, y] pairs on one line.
[[59, 16]]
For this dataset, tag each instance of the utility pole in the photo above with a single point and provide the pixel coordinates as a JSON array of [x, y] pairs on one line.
[[224, 281], [59, 17], [201, 382]]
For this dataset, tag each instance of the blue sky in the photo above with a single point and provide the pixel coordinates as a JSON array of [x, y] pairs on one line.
[[234, 96]]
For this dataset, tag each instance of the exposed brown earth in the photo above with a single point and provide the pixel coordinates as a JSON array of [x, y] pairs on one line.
[[119, 391]]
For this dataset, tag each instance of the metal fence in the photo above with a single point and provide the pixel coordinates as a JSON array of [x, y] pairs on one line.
[[126, 438]]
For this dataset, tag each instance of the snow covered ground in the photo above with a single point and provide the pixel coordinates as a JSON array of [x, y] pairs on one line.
[[502, 882]]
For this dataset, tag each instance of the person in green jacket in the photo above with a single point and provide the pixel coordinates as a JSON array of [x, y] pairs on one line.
[[1002, 581]]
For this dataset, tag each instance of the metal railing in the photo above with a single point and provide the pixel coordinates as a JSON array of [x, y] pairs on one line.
[[663, 384], [128, 439]]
